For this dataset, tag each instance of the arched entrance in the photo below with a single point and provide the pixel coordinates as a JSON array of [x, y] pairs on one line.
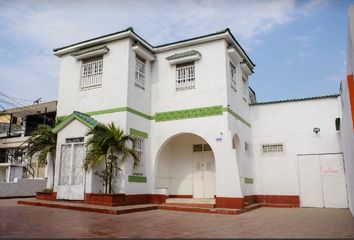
[[186, 167]]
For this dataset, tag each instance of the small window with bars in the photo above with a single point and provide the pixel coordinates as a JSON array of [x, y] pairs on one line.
[[91, 73], [272, 148], [233, 76], [74, 140], [139, 147], [201, 148], [185, 76], [140, 72], [247, 147]]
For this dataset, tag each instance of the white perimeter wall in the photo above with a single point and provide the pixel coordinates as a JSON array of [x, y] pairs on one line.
[[292, 125], [23, 187]]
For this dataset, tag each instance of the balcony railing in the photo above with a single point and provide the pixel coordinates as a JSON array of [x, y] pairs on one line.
[[185, 77], [4, 128], [91, 75]]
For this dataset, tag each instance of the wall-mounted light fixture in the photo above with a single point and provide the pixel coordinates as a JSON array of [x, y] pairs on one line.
[[316, 130]]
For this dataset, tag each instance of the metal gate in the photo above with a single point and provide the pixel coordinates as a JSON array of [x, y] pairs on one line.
[[322, 181]]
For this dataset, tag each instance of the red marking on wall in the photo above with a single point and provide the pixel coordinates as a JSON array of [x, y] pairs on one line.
[[351, 95]]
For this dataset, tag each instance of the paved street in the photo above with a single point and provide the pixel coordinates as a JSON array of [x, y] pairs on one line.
[[28, 221]]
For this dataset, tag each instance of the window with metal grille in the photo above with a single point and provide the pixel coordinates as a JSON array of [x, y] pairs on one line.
[[247, 146], [140, 72], [185, 76], [244, 86], [201, 148], [74, 140], [91, 73], [233, 76], [139, 147], [271, 148]]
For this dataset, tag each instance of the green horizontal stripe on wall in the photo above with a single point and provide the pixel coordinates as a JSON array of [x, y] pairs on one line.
[[137, 179], [138, 133], [189, 113], [238, 117], [172, 115], [248, 180], [121, 109]]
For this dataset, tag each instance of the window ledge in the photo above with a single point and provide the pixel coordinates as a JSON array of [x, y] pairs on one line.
[[90, 52], [179, 58], [141, 51]]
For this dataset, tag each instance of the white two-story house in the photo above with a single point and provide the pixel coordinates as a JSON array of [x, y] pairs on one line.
[[190, 105]]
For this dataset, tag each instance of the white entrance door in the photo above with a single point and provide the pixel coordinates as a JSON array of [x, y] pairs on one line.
[[322, 182], [204, 175], [71, 173]]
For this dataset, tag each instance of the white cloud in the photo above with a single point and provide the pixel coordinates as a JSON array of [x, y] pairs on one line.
[[44, 25]]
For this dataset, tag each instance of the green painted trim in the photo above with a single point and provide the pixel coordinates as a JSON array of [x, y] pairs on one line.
[[189, 113], [121, 109], [171, 115], [106, 111], [248, 180], [137, 179], [238, 117], [140, 113], [68, 119], [138, 133]]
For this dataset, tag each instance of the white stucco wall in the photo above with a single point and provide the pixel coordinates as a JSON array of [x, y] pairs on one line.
[[112, 94], [210, 80], [23, 187], [291, 124], [218, 137]]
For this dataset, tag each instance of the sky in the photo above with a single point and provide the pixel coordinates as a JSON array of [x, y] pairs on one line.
[[299, 47]]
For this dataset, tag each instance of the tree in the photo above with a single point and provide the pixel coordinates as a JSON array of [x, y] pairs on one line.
[[44, 142], [110, 145]]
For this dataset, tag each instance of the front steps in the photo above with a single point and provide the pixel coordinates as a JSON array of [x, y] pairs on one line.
[[191, 202], [202, 206], [172, 204]]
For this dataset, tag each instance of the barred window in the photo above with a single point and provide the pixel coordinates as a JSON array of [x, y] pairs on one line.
[[140, 72], [247, 147], [244, 86], [201, 148], [140, 144], [185, 76], [91, 73], [233, 76], [271, 148]]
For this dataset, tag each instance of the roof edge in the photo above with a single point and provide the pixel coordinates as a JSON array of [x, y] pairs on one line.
[[297, 99]]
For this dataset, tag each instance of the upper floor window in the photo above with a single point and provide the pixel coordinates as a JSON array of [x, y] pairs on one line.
[[233, 76], [185, 76], [140, 72], [244, 85], [91, 73]]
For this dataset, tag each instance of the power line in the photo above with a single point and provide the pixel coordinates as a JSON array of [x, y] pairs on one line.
[[27, 110]]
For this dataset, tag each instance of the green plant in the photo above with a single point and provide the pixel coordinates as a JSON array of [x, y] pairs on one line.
[[44, 142], [110, 145], [48, 190]]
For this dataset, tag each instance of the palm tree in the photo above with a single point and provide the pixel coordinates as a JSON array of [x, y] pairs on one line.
[[44, 142], [109, 144]]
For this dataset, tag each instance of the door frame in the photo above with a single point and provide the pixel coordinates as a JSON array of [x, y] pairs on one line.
[[75, 192], [195, 160]]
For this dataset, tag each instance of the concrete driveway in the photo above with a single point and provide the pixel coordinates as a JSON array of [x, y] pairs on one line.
[[28, 221]]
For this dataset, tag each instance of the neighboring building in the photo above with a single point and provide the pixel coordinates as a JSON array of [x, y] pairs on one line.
[[16, 126], [201, 132], [347, 104]]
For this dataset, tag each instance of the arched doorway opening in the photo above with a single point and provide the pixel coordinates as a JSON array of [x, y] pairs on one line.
[[186, 167]]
